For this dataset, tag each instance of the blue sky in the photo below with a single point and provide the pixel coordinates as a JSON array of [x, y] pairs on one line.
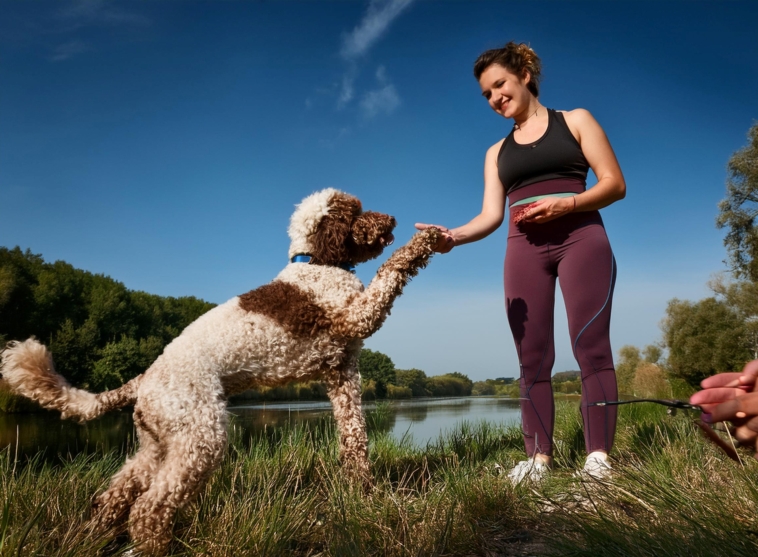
[[165, 143]]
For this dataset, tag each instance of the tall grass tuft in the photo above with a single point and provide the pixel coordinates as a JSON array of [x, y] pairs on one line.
[[282, 492]]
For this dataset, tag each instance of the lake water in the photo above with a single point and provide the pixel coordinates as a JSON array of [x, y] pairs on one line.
[[421, 419]]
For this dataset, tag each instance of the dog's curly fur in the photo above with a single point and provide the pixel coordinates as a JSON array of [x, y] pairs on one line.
[[309, 323]]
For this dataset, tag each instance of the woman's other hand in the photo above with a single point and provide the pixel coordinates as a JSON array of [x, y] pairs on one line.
[[549, 208], [446, 241]]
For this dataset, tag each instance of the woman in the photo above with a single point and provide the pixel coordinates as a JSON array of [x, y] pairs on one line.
[[555, 231]]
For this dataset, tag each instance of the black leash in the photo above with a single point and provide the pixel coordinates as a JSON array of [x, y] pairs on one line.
[[673, 406]]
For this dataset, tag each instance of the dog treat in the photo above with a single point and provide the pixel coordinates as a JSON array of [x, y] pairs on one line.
[[518, 214]]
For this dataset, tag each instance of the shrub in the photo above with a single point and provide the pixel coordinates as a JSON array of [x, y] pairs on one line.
[[395, 391]]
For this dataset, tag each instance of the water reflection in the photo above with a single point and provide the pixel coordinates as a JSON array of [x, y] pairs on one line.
[[420, 420]]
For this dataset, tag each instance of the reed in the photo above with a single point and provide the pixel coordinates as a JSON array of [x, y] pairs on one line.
[[282, 493]]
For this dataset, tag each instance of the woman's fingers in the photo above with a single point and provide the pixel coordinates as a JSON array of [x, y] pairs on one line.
[[422, 226], [716, 395], [741, 407], [721, 380]]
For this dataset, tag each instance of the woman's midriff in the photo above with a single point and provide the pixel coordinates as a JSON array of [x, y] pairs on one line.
[[554, 229]]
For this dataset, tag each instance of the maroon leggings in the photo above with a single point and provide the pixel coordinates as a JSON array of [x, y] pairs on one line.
[[575, 249]]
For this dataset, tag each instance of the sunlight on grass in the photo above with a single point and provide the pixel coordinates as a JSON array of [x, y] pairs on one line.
[[282, 493]]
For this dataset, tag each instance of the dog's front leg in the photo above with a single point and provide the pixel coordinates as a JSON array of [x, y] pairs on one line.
[[366, 312], [344, 389]]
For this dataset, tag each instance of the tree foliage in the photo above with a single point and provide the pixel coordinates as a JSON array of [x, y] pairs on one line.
[[101, 333], [703, 338], [450, 384], [626, 366], [379, 367], [414, 379], [738, 211]]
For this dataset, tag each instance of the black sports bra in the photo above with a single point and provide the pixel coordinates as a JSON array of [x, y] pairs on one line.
[[557, 154]]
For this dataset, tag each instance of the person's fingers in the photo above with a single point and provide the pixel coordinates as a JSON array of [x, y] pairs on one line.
[[715, 395], [745, 436], [752, 425], [749, 374], [423, 226], [720, 380], [741, 407]]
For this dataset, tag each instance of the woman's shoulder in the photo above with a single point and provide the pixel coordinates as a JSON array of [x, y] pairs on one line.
[[497, 146], [577, 117], [577, 120]]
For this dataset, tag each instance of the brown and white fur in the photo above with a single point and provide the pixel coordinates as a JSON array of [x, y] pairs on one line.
[[309, 323]]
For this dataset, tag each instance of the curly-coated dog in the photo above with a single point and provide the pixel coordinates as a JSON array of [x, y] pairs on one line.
[[309, 323]]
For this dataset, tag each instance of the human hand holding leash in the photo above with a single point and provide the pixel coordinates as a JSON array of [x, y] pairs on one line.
[[725, 387], [733, 397]]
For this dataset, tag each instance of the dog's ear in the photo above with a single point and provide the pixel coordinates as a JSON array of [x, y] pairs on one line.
[[329, 242]]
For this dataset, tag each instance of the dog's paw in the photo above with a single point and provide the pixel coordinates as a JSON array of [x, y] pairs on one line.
[[429, 237]]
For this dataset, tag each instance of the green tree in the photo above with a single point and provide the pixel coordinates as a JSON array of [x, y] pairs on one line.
[[379, 367], [742, 297], [738, 211], [414, 379], [626, 366], [703, 338], [85, 318], [652, 353], [450, 384]]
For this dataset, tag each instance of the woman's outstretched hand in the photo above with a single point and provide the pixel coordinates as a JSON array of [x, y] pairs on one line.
[[446, 241], [549, 208]]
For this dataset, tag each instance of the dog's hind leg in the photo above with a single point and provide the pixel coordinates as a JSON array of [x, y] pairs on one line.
[[110, 508], [344, 391], [193, 451]]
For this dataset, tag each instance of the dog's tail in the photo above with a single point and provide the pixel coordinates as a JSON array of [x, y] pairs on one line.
[[27, 368]]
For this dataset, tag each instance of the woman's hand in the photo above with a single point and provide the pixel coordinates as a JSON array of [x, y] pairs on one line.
[[446, 241], [549, 208]]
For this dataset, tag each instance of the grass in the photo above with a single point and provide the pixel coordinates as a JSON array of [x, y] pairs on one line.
[[282, 493]]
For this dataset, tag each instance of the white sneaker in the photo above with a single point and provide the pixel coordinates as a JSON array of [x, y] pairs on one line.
[[532, 470], [597, 467]]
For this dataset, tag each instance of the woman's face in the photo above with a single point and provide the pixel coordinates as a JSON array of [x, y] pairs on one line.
[[506, 92]]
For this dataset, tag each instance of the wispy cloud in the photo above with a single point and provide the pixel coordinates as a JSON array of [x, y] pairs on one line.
[[381, 100], [74, 16], [347, 90], [100, 12], [67, 50], [378, 17]]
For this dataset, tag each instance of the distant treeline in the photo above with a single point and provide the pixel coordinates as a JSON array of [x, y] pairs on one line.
[[566, 382], [100, 332]]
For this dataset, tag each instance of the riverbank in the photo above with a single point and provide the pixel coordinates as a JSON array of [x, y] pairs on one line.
[[673, 494]]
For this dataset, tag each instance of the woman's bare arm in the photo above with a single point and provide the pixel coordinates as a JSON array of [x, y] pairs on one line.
[[597, 150], [491, 216]]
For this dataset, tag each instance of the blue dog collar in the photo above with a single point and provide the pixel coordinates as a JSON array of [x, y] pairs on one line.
[[305, 258]]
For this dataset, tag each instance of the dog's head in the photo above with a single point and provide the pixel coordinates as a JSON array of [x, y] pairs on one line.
[[332, 228]]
